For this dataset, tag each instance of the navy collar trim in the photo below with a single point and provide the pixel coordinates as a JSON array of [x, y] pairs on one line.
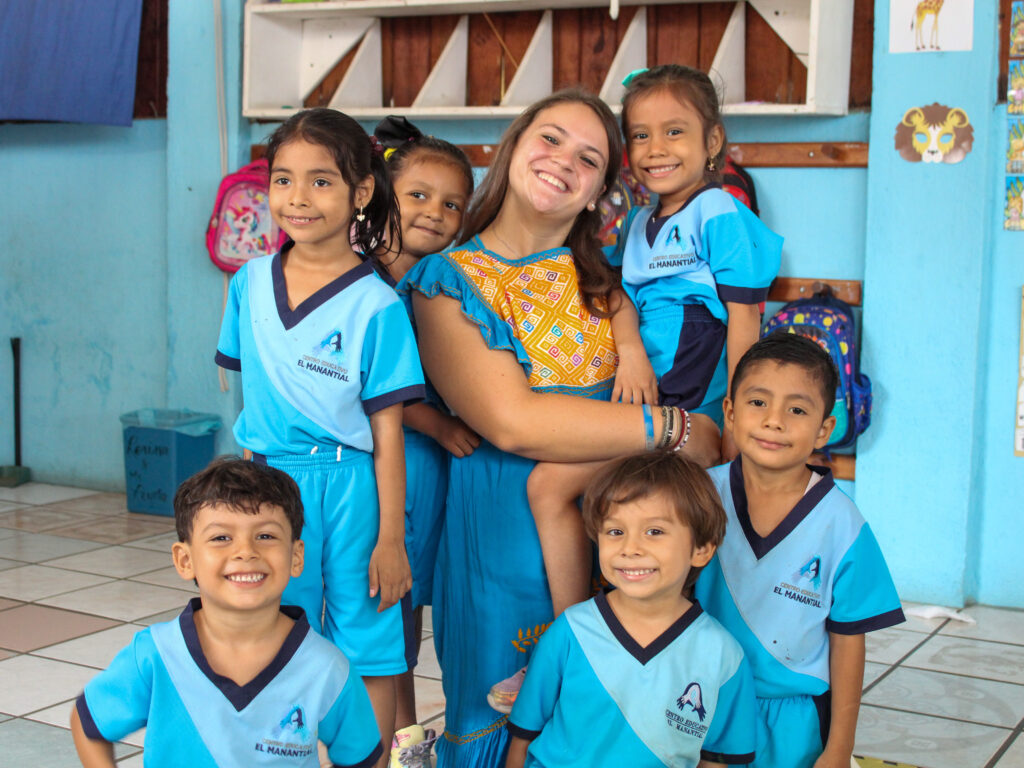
[[292, 317], [641, 653], [690, 199], [762, 545], [240, 696]]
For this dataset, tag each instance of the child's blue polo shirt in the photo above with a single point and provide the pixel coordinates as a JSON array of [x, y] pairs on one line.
[[711, 251], [195, 717], [821, 570], [593, 696], [312, 375]]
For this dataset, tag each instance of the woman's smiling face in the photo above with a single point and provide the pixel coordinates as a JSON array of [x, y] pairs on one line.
[[558, 165]]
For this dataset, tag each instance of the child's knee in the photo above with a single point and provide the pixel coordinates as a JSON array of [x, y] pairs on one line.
[[542, 486]]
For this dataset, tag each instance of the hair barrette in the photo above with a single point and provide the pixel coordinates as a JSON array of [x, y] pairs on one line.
[[376, 146], [633, 76]]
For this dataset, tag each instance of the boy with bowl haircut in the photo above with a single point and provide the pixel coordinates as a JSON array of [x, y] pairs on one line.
[[238, 679], [640, 675], [799, 578]]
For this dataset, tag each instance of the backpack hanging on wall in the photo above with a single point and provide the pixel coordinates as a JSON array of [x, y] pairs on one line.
[[738, 183], [829, 322], [241, 227]]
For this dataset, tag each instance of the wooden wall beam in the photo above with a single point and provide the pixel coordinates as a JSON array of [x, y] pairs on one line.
[[787, 289]]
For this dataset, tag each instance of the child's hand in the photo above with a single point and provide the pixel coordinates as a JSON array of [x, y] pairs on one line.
[[390, 574], [635, 381], [456, 438]]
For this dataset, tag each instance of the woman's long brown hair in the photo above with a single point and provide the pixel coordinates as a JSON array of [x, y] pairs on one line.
[[594, 275]]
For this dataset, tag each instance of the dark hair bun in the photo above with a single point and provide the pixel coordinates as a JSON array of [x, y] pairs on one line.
[[394, 131]]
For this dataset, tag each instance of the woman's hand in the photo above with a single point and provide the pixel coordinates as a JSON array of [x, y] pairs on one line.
[[390, 574], [635, 381]]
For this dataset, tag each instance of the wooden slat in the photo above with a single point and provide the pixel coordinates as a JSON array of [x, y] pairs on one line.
[[860, 55], [792, 288], [843, 466], [673, 35], [774, 73], [714, 18], [772, 155], [486, 55], [565, 48], [321, 95], [796, 154]]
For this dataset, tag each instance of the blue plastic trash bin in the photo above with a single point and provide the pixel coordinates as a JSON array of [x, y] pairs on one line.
[[162, 448]]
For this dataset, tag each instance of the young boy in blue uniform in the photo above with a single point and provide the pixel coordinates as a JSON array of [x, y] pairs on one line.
[[237, 680], [640, 676], [799, 578]]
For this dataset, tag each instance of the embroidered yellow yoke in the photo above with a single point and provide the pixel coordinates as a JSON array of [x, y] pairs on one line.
[[561, 344]]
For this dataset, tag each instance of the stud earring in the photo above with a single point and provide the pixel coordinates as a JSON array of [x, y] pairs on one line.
[[361, 217], [591, 206], [711, 164]]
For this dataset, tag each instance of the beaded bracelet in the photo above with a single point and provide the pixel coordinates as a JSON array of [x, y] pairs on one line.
[[684, 436]]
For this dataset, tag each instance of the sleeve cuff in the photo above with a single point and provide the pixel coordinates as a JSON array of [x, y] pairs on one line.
[[521, 733], [740, 295], [369, 761], [720, 757], [231, 363], [85, 717], [883, 620], [411, 394]]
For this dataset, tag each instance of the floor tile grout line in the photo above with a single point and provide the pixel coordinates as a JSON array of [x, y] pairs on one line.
[[1003, 749], [1009, 729], [946, 672], [900, 660]]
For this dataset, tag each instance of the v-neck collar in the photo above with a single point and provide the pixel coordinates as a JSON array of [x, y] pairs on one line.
[[655, 223], [477, 244], [762, 545], [642, 653], [292, 317], [241, 696]]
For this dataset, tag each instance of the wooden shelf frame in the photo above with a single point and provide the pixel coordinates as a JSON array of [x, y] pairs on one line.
[[290, 48]]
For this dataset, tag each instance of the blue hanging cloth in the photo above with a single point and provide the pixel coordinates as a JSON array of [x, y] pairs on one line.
[[69, 61]]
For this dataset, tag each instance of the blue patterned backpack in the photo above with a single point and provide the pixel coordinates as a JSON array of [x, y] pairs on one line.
[[829, 322]]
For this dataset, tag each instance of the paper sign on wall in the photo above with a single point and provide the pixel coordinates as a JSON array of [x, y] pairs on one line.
[[919, 26], [1018, 432]]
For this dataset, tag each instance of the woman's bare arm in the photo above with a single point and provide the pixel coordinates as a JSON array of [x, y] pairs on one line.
[[489, 391]]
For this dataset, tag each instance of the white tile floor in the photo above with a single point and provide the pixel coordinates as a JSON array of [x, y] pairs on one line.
[[79, 575]]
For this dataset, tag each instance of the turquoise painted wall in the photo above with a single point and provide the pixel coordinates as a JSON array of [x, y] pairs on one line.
[[927, 274], [997, 571], [82, 265], [104, 274]]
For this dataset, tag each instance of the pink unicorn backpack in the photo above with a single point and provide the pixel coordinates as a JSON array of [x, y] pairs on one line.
[[241, 227]]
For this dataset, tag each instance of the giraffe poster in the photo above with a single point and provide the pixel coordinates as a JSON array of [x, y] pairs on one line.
[[922, 26]]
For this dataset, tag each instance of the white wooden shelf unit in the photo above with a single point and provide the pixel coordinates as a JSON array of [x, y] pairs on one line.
[[290, 47]]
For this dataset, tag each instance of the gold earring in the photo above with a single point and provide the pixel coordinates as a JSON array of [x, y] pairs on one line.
[[361, 217], [711, 164]]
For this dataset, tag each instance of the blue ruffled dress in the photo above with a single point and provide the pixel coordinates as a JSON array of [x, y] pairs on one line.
[[491, 600]]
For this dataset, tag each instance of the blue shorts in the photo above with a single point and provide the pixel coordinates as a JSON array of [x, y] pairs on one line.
[[794, 733], [426, 485], [686, 347], [342, 520]]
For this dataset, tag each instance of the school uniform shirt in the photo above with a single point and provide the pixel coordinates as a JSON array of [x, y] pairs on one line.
[[194, 717], [711, 251], [592, 696], [821, 570], [311, 376]]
